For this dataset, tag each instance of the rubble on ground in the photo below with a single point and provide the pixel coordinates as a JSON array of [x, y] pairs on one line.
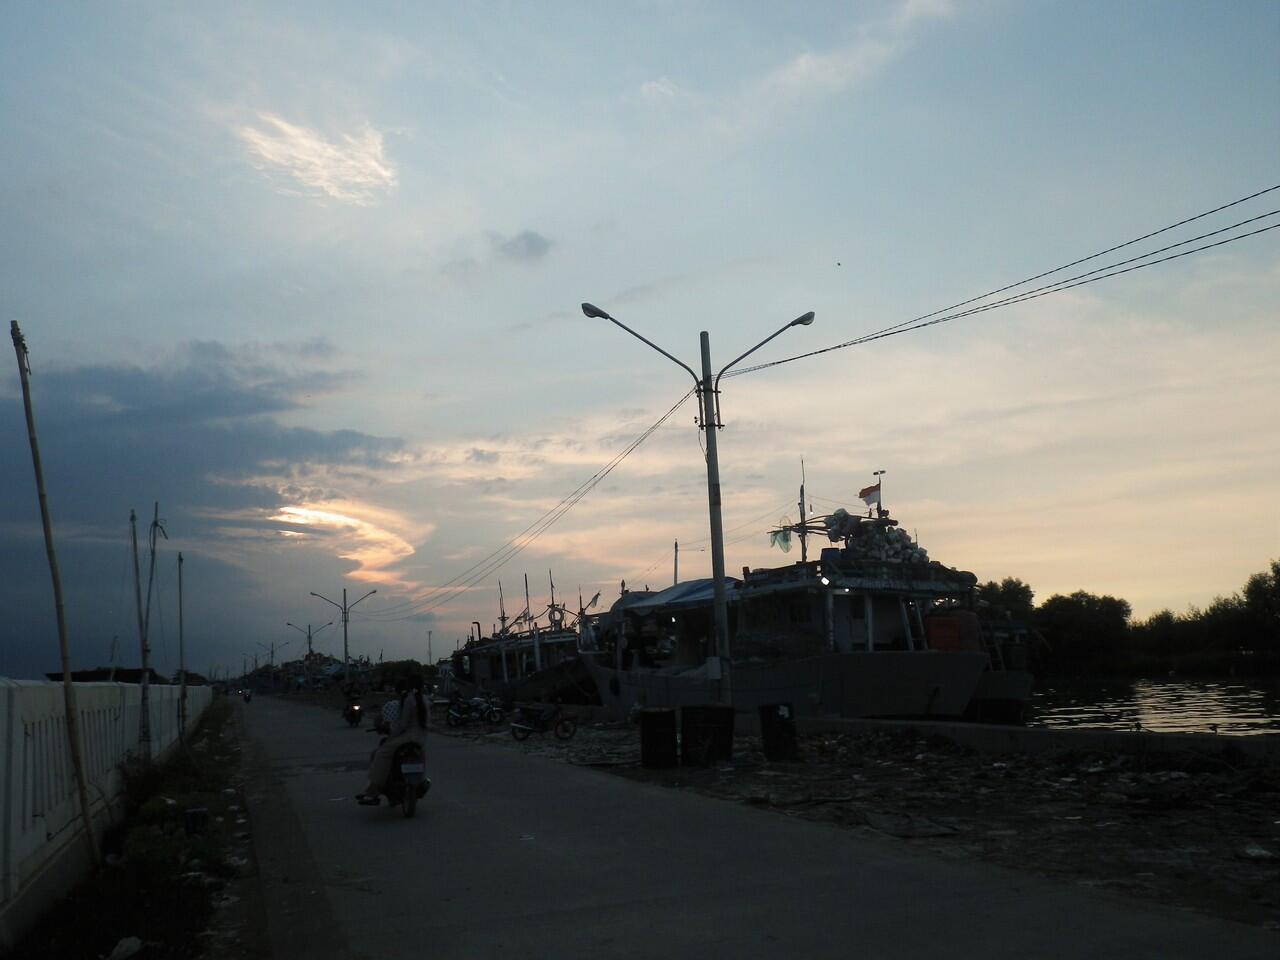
[[1194, 830]]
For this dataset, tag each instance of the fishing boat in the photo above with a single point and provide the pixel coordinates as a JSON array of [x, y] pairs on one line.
[[871, 628], [524, 660]]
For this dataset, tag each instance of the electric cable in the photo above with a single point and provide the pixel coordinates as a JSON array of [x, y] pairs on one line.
[[576, 492], [1092, 276], [513, 547]]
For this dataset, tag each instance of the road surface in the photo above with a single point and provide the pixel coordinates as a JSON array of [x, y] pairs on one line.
[[523, 858]]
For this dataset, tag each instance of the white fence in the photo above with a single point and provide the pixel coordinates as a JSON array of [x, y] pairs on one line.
[[41, 813]]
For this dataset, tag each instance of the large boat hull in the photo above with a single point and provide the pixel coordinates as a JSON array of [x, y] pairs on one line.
[[885, 684]]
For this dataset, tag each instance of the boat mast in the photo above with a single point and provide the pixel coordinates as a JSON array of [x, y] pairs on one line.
[[804, 535], [502, 610]]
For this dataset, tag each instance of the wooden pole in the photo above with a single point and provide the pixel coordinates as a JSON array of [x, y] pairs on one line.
[[182, 663], [68, 690], [156, 527]]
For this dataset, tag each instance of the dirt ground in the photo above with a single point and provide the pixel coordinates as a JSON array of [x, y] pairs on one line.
[[1197, 831]]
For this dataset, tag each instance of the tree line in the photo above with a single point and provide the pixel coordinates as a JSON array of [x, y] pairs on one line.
[[1085, 633]]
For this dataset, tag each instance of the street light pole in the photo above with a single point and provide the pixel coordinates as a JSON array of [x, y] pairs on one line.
[[708, 389], [307, 661], [719, 598], [346, 618]]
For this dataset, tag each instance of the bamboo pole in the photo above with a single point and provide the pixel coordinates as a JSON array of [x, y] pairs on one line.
[[68, 690]]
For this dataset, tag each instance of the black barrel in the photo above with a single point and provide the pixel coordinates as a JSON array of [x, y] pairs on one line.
[[778, 732], [658, 738], [706, 734]]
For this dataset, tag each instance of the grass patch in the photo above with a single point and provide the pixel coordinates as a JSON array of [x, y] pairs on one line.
[[167, 862]]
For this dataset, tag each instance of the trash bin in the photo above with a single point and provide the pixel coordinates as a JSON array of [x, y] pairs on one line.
[[706, 734], [778, 732], [658, 738]]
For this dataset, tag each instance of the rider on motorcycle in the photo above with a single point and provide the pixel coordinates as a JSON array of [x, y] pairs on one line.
[[409, 726]]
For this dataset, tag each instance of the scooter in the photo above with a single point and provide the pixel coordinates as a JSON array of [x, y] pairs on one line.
[[351, 713], [407, 781]]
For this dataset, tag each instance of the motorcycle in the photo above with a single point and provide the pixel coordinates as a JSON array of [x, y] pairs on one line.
[[462, 712], [531, 720], [352, 713], [407, 781]]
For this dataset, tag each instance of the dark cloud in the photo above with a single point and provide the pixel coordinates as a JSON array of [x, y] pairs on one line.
[[527, 246], [476, 455], [199, 434]]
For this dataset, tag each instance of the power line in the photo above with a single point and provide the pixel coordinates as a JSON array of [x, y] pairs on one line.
[[1094, 256], [498, 558], [1091, 276], [576, 492]]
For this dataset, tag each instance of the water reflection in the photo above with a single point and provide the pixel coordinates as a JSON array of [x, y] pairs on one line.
[[1162, 706]]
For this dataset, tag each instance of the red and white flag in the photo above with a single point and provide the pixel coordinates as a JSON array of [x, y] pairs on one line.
[[870, 494]]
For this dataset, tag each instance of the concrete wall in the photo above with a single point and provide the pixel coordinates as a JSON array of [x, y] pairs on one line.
[[42, 848]]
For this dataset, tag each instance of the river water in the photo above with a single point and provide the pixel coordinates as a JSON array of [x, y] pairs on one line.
[[1161, 706]]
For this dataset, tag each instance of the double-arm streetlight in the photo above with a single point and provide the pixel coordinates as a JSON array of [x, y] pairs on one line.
[[307, 662], [309, 632], [708, 389], [346, 618], [272, 649]]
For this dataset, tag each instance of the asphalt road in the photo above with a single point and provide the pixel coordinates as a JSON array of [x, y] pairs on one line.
[[522, 857]]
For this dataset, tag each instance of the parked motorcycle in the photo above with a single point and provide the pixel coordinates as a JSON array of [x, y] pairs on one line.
[[475, 710], [407, 781], [352, 713], [529, 720]]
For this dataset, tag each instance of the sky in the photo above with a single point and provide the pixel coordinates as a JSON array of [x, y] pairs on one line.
[[308, 276]]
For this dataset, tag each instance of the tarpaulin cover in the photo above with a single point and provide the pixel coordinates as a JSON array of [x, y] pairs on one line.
[[691, 593]]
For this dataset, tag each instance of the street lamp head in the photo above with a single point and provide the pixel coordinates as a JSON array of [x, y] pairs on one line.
[[594, 312], [803, 321]]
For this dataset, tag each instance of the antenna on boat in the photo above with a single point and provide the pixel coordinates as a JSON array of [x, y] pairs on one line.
[[880, 510], [502, 609], [804, 535], [528, 611]]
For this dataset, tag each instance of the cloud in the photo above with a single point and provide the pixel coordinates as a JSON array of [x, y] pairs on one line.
[[353, 169], [356, 532], [199, 432], [527, 245], [816, 75], [659, 91]]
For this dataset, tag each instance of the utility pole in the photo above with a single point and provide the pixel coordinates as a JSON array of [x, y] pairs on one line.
[[156, 527], [68, 690], [707, 389], [346, 618], [182, 662], [144, 722], [709, 423], [430, 661], [675, 567]]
